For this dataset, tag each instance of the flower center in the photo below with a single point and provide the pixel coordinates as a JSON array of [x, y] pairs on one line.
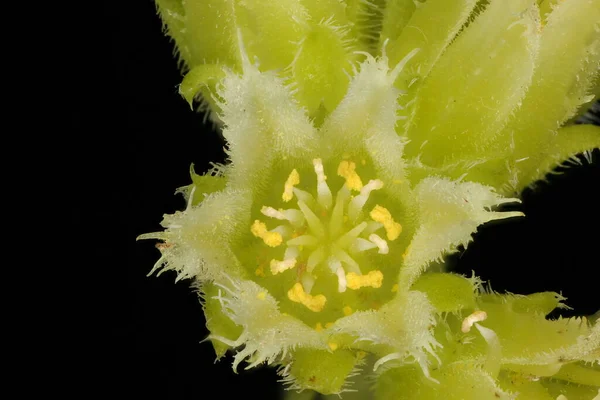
[[327, 232]]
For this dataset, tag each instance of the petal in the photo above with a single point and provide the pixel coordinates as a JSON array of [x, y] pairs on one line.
[[267, 334], [449, 213], [263, 123], [402, 326], [364, 122], [197, 240]]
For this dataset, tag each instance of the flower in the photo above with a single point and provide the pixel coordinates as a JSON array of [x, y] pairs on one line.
[[365, 142]]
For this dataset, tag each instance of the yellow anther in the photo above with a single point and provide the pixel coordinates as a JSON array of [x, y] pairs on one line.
[[372, 279], [347, 170], [333, 346], [468, 322], [292, 180], [347, 310], [313, 303], [261, 295], [395, 288], [271, 239], [383, 216], [318, 327], [280, 266]]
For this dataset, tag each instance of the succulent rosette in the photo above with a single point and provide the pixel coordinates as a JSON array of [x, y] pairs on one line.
[[366, 140]]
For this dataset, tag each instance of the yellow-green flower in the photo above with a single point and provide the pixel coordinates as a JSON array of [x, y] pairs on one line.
[[366, 140]]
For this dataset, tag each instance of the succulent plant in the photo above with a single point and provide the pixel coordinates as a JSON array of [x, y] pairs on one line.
[[366, 140]]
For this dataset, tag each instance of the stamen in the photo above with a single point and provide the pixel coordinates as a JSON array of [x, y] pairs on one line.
[[382, 215], [361, 245], [292, 180], [341, 274], [347, 310], [289, 261], [380, 243], [280, 266], [373, 279], [324, 193], [468, 322], [313, 303], [271, 239], [273, 213], [346, 170], [358, 202]]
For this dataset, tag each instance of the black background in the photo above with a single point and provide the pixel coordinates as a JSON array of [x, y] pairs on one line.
[[147, 136]]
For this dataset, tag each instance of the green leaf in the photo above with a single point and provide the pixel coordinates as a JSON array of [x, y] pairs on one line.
[[201, 79], [529, 339], [271, 29], [321, 67], [579, 374], [431, 28], [526, 387], [457, 381], [203, 185], [567, 66], [566, 144], [447, 292], [476, 85], [396, 15], [207, 32], [320, 370], [216, 321]]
